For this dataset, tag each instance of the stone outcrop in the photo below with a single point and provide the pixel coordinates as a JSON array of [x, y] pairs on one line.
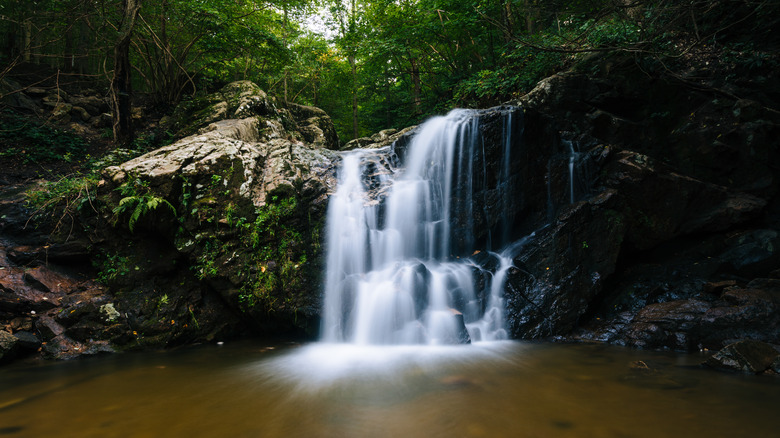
[[244, 99], [250, 199], [672, 243], [212, 236]]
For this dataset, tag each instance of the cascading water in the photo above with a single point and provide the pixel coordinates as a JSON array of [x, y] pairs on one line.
[[391, 275]]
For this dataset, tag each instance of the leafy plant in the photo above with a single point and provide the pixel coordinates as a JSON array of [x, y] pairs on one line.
[[137, 201], [113, 267]]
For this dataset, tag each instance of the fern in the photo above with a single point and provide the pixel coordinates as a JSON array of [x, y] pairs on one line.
[[139, 205]]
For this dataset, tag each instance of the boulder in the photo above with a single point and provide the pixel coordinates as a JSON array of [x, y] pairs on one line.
[[315, 126], [236, 100], [8, 346], [62, 112], [82, 113], [28, 341], [749, 356], [232, 146]]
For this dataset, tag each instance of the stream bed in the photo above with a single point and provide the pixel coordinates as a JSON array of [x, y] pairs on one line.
[[494, 389]]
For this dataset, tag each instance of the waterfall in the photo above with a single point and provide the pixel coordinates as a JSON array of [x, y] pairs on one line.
[[395, 228]]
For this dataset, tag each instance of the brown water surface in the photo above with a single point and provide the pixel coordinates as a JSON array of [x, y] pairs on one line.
[[508, 389]]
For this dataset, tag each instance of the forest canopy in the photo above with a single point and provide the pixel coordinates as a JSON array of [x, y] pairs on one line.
[[370, 64]]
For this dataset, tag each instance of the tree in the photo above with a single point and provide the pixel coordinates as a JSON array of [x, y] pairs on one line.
[[121, 85]]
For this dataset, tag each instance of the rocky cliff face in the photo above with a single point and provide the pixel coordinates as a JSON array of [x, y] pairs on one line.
[[673, 244]]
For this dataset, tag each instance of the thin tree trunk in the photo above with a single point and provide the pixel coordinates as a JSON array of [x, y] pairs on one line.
[[27, 49], [416, 87], [284, 40], [121, 89], [354, 97]]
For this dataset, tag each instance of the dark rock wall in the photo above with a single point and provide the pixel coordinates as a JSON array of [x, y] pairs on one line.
[[682, 199]]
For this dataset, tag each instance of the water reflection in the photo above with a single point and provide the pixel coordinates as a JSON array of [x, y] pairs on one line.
[[506, 389]]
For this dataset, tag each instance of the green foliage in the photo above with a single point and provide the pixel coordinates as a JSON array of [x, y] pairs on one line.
[[112, 268], [37, 143], [73, 191], [137, 200], [270, 253]]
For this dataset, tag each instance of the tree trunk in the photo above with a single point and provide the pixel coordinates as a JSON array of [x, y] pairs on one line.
[[27, 49], [121, 90], [354, 97], [416, 87]]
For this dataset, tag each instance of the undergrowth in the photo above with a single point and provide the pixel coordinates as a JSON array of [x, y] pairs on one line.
[[35, 142]]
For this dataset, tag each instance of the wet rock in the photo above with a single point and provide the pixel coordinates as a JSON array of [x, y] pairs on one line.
[[64, 348], [654, 217], [462, 336], [748, 356], [563, 269], [667, 324], [707, 321]]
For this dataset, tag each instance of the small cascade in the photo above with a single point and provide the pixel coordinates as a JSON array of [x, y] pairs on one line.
[[579, 172], [394, 232], [573, 156]]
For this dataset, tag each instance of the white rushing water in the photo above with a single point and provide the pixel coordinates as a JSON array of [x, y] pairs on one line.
[[391, 276]]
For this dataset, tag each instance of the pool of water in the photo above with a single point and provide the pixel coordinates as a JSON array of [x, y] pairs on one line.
[[504, 389]]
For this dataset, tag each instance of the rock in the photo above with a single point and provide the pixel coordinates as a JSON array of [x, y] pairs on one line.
[[78, 129], [574, 254], [28, 341], [103, 120], [256, 168], [48, 327], [36, 91], [775, 367], [65, 348], [108, 312], [463, 334], [667, 325], [8, 346], [236, 100], [94, 105], [82, 113], [655, 217], [15, 96], [315, 126], [363, 142], [61, 112], [748, 356]]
